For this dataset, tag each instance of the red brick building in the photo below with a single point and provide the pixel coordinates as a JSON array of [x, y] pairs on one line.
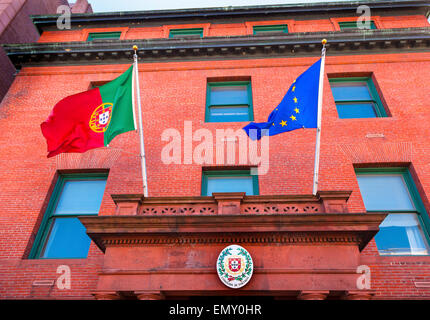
[[16, 27], [374, 169]]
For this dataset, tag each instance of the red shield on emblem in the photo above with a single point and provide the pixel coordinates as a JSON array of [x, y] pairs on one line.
[[234, 264]]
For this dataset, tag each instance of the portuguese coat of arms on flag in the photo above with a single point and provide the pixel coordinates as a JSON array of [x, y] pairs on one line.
[[93, 118]]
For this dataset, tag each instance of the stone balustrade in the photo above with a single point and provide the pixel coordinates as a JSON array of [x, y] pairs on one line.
[[232, 203]]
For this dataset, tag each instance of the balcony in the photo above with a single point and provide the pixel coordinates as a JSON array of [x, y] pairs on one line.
[[303, 247]]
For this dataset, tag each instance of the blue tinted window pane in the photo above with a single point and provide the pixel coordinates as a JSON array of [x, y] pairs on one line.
[[401, 234], [223, 114], [385, 192], [230, 184], [356, 110], [223, 95], [350, 91], [81, 196], [67, 239]]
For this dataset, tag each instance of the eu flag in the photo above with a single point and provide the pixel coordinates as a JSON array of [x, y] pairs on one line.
[[298, 108]]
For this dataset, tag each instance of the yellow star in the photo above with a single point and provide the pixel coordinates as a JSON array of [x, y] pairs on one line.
[[294, 88], [283, 123], [297, 110], [295, 100], [293, 118]]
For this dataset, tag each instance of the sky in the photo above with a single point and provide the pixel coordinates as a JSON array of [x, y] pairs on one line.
[[133, 5]]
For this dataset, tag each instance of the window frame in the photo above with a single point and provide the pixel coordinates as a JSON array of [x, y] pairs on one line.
[[344, 23], [262, 29], [210, 85], [184, 32], [420, 210], [380, 110], [116, 33], [49, 216], [228, 173]]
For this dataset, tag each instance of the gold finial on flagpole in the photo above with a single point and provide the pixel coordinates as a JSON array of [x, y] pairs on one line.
[[135, 48]]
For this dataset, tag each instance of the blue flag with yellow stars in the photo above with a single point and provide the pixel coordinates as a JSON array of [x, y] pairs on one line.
[[298, 109]]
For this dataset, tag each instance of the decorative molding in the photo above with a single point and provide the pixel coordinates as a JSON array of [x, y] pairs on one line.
[[232, 203], [327, 228], [244, 12], [213, 271], [290, 238], [214, 48]]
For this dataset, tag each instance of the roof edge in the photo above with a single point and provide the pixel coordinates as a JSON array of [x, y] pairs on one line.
[[46, 20]]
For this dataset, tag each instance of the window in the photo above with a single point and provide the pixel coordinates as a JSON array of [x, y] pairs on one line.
[[354, 25], [356, 98], [403, 232], [62, 235], [103, 35], [229, 102], [271, 28], [229, 181], [180, 33]]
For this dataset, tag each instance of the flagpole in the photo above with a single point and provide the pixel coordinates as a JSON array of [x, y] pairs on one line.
[[139, 108], [318, 139]]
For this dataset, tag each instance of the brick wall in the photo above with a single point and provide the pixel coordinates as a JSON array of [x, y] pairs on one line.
[[26, 176], [174, 92], [231, 29]]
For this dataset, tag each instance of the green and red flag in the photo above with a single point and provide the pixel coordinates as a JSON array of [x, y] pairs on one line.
[[93, 118]]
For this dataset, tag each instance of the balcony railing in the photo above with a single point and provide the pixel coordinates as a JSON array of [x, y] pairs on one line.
[[232, 203]]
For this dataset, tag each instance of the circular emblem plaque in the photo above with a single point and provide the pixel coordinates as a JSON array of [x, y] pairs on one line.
[[100, 118], [234, 266]]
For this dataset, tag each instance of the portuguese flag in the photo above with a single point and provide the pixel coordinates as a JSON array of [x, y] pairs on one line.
[[93, 118]]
